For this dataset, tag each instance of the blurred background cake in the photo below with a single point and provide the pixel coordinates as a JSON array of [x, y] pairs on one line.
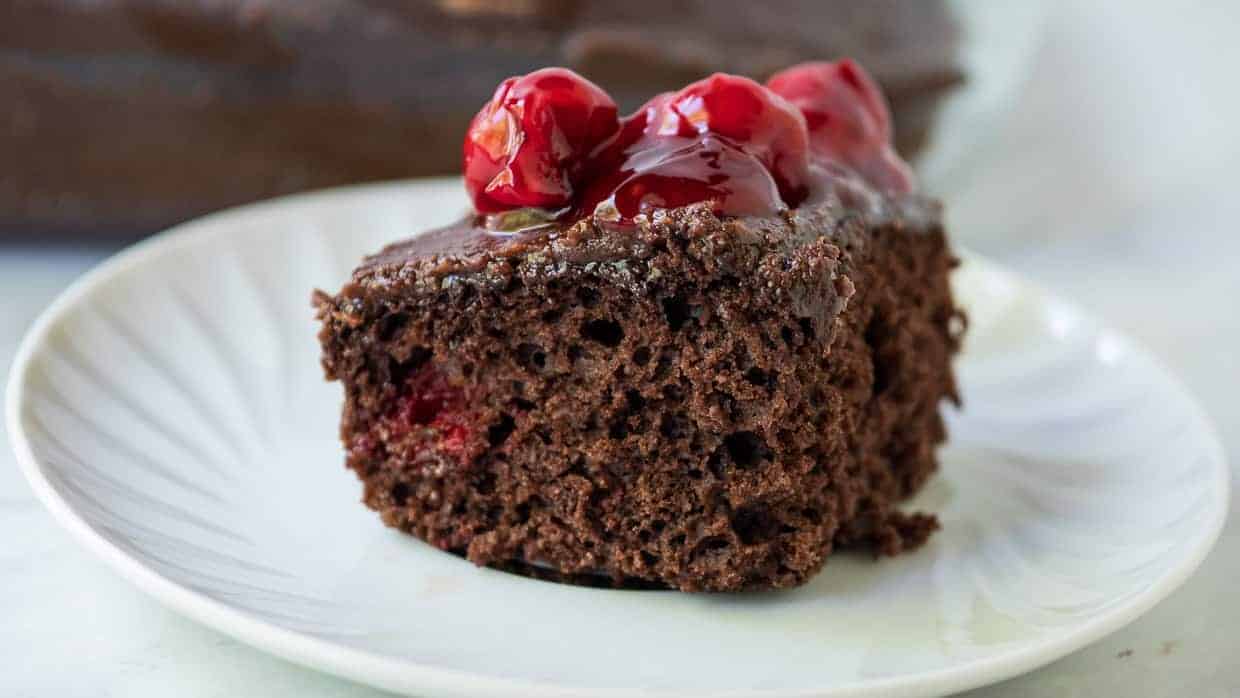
[[129, 115]]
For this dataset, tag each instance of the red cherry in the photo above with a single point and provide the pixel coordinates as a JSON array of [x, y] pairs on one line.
[[847, 118], [725, 140], [527, 146], [674, 171], [750, 116], [427, 395], [427, 399]]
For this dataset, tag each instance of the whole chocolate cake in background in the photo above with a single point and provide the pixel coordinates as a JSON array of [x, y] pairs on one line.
[[698, 347], [124, 116]]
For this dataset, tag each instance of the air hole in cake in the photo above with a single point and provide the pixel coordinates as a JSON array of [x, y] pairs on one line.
[[574, 352], [875, 335], [605, 332], [467, 370], [670, 426], [635, 400], [785, 438], [817, 397], [641, 356], [418, 356], [710, 546], [664, 366], [552, 316], [847, 384], [788, 335], [755, 524], [746, 449], [532, 355], [523, 405], [812, 515], [587, 296], [397, 371], [673, 393], [399, 494], [597, 497], [486, 484], [523, 510], [392, 325], [618, 429], [676, 312], [757, 376], [807, 328], [499, 432], [649, 559]]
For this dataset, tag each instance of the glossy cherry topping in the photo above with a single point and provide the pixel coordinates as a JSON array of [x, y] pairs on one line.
[[527, 147], [643, 170], [746, 114], [847, 118], [551, 141], [725, 139], [673, 171]]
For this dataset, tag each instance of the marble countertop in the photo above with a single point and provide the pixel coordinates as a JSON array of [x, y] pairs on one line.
[[1109, 184]]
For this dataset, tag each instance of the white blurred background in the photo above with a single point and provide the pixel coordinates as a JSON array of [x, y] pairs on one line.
[[1112, 180]]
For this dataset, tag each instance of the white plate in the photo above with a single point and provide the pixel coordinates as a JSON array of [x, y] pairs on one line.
[[169, 409]]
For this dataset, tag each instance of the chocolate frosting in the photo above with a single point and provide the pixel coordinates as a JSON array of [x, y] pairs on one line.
[[467, 252]]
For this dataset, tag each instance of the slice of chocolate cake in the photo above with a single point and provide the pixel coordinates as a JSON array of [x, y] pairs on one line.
[[698, 347]]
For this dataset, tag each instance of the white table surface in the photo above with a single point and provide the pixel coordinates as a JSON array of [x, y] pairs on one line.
[[1113, 182]]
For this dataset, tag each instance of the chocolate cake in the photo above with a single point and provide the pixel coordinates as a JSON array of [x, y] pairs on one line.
[[700, 347], [124, 116]]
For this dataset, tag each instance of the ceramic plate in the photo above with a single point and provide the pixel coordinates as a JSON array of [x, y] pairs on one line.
[[170, 410]]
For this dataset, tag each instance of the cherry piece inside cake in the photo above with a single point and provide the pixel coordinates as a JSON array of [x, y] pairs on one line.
[[698, 347]]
